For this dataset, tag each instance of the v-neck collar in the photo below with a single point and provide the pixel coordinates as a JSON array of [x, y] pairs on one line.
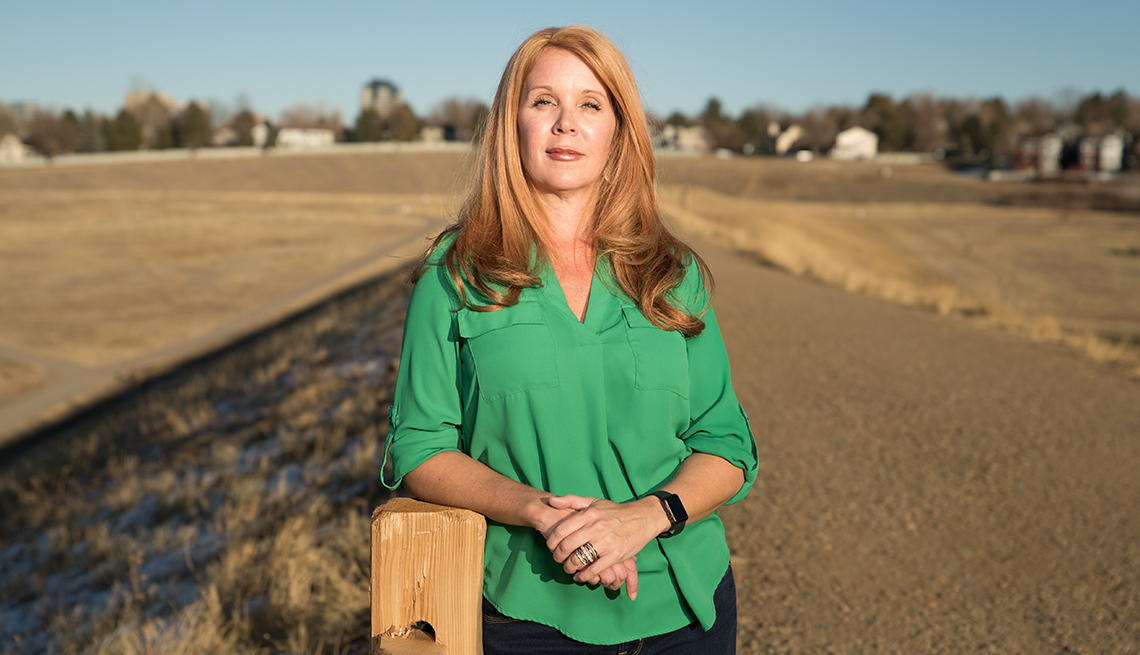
[[600, 303]]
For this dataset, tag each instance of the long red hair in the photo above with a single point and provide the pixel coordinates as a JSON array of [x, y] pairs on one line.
[[501, 223]]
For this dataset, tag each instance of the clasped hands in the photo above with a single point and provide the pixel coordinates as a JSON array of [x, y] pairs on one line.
[[617, 531]]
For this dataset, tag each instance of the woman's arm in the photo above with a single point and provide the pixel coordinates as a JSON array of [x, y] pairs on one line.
[[455, 479], [618, 531]]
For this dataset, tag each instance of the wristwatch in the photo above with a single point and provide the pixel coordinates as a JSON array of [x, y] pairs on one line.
[[671, 503]]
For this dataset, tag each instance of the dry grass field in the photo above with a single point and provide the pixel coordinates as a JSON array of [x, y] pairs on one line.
[[97, 277], [224, 508], [1033, 259]]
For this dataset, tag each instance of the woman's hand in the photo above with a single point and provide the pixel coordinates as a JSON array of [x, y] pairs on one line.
[[617, 531]]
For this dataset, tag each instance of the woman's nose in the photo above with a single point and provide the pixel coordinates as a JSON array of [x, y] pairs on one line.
[[565, 124]]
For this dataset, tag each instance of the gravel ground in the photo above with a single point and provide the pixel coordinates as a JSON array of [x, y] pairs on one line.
[[926, 485]]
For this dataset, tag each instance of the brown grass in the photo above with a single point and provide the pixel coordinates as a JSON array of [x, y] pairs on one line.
[[17, 379], [96, 277], [223, 510], [1053, 275]]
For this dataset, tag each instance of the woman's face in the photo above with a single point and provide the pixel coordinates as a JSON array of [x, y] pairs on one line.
[[566, 122]]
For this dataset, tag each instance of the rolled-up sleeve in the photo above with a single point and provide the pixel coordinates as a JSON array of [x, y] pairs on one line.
[[426, 413], [718, 424]]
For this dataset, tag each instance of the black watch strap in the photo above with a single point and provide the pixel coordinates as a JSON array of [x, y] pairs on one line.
[[675, 510]]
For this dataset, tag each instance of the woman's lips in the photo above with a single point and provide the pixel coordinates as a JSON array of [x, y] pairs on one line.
[[564, 154]]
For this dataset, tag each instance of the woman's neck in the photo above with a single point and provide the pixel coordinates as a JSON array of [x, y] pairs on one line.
[[572, 252]]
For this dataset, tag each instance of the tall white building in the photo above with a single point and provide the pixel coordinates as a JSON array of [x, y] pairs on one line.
[[381, 96]]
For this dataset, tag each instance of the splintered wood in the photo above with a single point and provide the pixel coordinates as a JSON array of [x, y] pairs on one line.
[[427, 579]]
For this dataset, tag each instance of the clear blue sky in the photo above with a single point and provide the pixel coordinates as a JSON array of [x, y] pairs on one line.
[[791, 55]]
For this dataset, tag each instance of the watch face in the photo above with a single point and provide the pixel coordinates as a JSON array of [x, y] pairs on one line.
[[675, 510]]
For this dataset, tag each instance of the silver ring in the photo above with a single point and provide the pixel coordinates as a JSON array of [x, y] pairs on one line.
[[586, 554]]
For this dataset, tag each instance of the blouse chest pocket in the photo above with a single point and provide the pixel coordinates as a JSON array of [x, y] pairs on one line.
[[512, 350], [660, 356]]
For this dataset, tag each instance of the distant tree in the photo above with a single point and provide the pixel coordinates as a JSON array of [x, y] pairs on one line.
[[754, 124], [243, 124], [52, 135], [653, 122], [9, 121], [1119, 109], [306, 117], [368, 127], [192, 127], [928, 128], [122, 133], [91, 137], [403, 125], [882, 116], [479, 121], [720, 131], [155, 121], [1034, 117], [459, 117], [972, 135], [712, 112], [820, 126], [994, 116], [677, 119]]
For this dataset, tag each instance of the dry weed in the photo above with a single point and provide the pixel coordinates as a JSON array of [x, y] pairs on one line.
[[918, 255], [223, 511]]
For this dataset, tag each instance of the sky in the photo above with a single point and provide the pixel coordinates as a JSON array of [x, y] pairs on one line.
[[789, 55]]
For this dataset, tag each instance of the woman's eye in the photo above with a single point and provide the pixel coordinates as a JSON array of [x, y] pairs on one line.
[[539, 102], [592, 105]]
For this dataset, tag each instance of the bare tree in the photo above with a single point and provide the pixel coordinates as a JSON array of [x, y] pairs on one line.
[[52, 135], [929, 127], [1034, 117], [9, 121], [320, 117], [459, 117]]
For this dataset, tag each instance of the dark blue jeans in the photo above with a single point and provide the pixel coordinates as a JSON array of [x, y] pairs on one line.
[[503, 635]]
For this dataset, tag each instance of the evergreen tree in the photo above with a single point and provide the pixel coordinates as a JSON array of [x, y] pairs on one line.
[[368, 127], [122, 133], [243, 125], [402, 125], [192, 127], [91, 138]]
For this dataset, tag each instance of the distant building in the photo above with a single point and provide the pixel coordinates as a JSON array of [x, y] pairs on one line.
[[224, 136], [260, 134], [305, 137], [432, 133], [381, 96], [12, 149], [679, 137], [140, 102], [855, 143], [788, 138], [1042, 155], [1110, 152], [25, 111]]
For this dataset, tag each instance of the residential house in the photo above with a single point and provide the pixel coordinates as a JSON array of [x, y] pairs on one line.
[[855, 143]]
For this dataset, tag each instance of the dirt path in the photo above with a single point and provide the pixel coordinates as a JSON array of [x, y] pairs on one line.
[[926, 486]]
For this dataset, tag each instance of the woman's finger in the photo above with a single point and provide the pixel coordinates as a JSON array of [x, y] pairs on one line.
[[570, 501], [631, 578]]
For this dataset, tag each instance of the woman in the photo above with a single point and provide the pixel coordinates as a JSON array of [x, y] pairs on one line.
[[563, 375]]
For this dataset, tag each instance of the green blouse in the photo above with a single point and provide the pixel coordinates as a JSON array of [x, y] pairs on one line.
[[607, 408]]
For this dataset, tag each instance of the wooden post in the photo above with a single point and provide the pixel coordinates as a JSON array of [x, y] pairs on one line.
[[427, 579]]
